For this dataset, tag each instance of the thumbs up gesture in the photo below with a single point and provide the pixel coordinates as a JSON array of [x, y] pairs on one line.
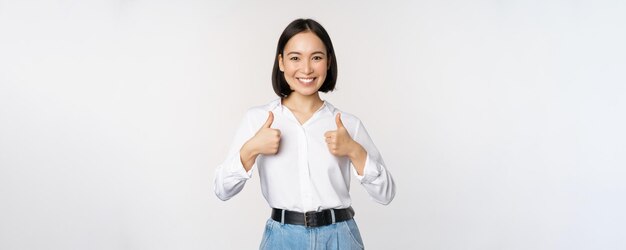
[[339, 141], [266, 141]]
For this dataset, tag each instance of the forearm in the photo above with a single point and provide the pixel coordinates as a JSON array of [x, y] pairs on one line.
[[376, 179], [247, 156], [358, 156]]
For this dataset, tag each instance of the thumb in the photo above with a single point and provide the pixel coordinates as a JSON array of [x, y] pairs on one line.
[[338, 121], [269, 121]]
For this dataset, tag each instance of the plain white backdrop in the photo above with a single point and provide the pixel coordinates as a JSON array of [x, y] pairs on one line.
[[501, 121]]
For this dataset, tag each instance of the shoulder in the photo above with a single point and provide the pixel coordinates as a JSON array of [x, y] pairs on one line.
[[348, 119]]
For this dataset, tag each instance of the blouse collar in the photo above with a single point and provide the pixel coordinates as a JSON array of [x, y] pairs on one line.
[[278, 105]]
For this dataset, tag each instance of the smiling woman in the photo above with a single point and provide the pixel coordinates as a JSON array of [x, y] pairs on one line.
[[304, 36], [306, 64], [304, 149]]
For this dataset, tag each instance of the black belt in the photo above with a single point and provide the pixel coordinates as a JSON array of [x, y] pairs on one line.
[[312, 218]]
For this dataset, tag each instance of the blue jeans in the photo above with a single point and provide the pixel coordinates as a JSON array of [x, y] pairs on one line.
[[341, 235]]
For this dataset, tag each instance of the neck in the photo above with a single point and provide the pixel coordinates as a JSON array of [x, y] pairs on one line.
[[300, 103]]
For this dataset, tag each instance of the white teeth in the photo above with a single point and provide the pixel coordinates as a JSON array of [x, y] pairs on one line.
[[306, 80]]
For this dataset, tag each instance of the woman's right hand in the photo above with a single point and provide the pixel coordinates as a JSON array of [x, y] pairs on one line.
[[266, 141]]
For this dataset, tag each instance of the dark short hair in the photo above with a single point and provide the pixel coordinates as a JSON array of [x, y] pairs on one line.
[[279, 83]]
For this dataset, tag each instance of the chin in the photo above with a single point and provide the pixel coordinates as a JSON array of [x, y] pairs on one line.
[[306, 92]]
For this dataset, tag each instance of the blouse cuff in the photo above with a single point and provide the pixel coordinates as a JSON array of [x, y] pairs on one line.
[[237, 170], [371, 171]]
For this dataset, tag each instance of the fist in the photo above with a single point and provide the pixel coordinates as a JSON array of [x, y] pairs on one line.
[[266, 140], [339, 141]]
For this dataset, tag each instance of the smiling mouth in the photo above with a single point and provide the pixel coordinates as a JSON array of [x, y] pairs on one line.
[[308, 80]]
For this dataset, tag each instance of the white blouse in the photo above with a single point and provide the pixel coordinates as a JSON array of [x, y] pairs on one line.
[[304, 176]]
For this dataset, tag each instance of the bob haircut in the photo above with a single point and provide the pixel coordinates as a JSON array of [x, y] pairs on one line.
[[279, 83]]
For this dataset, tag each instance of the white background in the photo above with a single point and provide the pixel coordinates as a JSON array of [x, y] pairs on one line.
[[501, 121]]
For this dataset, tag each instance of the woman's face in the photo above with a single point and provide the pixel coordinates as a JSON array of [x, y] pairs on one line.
[[304, 63]]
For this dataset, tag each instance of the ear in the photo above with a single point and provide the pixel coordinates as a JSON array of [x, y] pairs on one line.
[[281, 66]]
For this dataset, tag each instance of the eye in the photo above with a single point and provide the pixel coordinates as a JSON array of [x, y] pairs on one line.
[[294, 58], [317, 58]]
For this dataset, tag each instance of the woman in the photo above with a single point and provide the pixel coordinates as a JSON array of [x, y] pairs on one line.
[[304, 148]]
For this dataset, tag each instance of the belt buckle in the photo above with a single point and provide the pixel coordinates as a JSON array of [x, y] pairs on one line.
[[306, 218]]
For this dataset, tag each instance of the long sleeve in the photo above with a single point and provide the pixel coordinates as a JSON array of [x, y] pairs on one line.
[[230, 176], [376, 179]]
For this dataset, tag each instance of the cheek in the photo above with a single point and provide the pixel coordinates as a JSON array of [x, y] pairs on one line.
[[323, 71], [289, 70], [322, 67]]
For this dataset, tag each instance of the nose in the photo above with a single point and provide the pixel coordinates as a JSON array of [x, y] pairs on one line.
[[308, 68]]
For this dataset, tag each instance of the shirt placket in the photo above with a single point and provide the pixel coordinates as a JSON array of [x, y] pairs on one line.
[[303, 166]]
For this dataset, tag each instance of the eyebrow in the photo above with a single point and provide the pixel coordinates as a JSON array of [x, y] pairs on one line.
[[298, 53]]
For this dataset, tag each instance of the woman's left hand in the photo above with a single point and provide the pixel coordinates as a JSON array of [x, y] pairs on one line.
[[340, 143]]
